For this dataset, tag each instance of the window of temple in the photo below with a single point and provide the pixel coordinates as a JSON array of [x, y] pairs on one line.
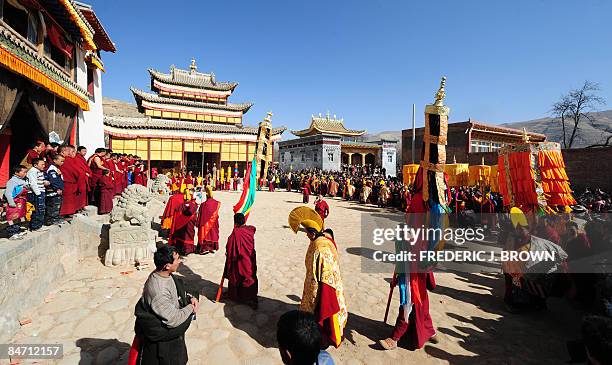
[[15, 18], [330, 156], [480, 146], [314, 157], [302, 157], [33, 28], [291, 157], [90, 82], [390, 158]]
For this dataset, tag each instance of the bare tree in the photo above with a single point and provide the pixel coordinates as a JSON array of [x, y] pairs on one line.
[[573, 108], [605, 143]]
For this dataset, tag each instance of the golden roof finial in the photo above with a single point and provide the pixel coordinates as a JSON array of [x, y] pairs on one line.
[[327, 115], [454, 159], [526, 137], [193, 68], [268, 117], [441, 94]]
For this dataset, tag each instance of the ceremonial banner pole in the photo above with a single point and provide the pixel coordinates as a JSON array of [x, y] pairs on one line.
[[413, 130]]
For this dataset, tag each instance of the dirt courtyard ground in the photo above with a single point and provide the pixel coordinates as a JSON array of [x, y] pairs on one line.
[[91, 311]]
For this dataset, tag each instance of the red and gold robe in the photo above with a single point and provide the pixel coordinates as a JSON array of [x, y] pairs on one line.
[[173, 204], [208, 225], [106, 187], [323, 290], [182, 233]]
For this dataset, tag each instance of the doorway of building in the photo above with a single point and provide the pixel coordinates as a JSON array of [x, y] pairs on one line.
[[195, 162], [25, 129]]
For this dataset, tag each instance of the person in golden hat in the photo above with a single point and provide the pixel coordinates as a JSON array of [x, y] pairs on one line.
[[208, 224], [323, 293], [383, 194]]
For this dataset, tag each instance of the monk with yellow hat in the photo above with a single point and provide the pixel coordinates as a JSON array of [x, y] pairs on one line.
[[323, 293]]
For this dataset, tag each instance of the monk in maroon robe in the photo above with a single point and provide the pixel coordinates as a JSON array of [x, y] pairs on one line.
[[321, 207], [305, 193], [106, 189], [70, 174], [174, 203], [182, 233], [241, 264], [85, 177], [96, 164], [208, 224]]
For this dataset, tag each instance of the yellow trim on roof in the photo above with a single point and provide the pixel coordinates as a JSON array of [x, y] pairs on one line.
[[19, 66], [85, 32]]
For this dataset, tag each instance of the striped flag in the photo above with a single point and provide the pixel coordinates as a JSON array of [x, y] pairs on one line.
[[248, 192]]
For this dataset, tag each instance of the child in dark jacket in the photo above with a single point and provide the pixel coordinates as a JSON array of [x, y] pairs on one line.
[[53, 191]]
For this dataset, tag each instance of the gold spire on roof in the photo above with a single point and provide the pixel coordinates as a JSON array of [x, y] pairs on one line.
[[526, 137], [268, 117], [441, 94], [193, 68]]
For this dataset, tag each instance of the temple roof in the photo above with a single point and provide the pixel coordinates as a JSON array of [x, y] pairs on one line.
[[359, 144], [140, 95], [101, 37], [71, 19], [156, 123], [482, 127], [192, 78], [328, 125]]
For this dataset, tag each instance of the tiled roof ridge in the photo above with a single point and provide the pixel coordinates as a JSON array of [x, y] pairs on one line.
[[244, 107], [157, 123], [204, 81]]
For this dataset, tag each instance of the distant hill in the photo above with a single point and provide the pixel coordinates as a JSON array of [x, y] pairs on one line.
[[589, 133], [119, 108]]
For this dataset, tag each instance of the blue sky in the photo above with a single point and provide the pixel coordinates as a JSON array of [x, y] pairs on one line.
[[368, 61]]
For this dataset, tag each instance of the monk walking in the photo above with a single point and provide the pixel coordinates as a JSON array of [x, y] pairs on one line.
[[241, 264], [208, 224], [182, 233], [323, 293], [321, 207]]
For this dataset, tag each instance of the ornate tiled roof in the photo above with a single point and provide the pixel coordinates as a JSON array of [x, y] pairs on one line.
[[140, 95], [195, 79], [101, 37], [67, 14], [329, 125], [154, 123], [359, 144], [25, 52], [479, 126]]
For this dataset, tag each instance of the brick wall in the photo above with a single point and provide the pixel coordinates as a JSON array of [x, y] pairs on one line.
[[590, 167]]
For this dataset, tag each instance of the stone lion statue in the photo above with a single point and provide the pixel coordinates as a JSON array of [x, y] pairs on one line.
[[131, 208], [160, 185]]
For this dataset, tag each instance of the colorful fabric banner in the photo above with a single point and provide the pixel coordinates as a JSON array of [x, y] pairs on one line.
[[248, 192]]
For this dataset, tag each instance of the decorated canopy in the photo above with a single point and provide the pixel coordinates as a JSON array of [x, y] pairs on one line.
[[479, 175], [409, 173], [532, 176], [493, 180], [458, 174]]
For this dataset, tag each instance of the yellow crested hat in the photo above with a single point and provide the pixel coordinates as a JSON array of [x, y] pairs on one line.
[[306, 217], [517, 217], [209, 191]]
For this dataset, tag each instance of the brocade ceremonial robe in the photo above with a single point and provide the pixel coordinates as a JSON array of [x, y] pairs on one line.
[[323, 293]]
